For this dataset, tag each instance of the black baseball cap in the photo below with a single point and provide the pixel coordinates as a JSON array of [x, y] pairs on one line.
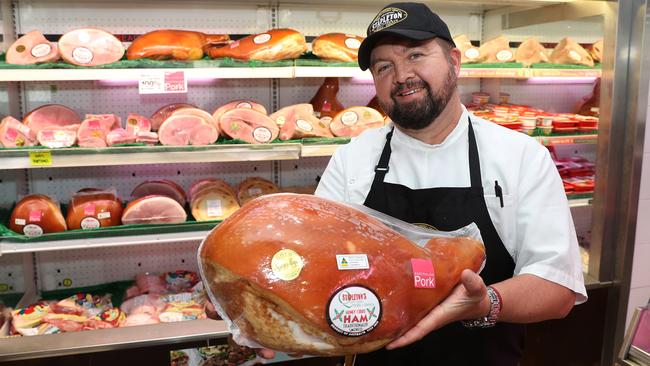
[[409, 20]]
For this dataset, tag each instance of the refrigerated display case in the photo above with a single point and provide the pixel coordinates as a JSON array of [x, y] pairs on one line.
[[30, 266]]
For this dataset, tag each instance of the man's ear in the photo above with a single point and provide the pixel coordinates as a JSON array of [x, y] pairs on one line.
[[455, 56]]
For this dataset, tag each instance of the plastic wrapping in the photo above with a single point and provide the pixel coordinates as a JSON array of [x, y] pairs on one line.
[[92, 208], [302, 274]]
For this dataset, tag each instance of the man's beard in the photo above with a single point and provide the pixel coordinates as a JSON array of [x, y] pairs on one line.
[[419, 114]]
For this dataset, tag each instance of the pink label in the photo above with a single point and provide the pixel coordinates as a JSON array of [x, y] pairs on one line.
[[234, 44], [11, 134], [89, 209], [94, 124], [423, 273], [35, 215], [175, 82], [47, 135]]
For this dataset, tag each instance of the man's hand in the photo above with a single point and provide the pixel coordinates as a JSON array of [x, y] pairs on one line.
[[468, 300], [265, 353]]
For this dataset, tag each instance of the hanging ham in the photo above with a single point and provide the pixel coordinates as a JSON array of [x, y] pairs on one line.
[[168, 44], [273, 45]]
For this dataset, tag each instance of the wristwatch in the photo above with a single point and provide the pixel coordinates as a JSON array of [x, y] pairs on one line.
[[493, 315]]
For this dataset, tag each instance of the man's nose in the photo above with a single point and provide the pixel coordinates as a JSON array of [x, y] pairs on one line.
[[403, 72]]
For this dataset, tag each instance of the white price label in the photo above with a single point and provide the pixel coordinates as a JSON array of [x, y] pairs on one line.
[[162, 82]]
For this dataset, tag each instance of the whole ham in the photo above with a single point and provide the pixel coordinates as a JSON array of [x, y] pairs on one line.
[[159, 116], [569, 52], [35, 215], [187, 129], [249, 125], [58, 136], [468, 52], [496, 50], [90, 47], [277, 270], [168, 44], [237, 104], [153, 209], [14, 133], [337, 47], [50, 115], [530, 52], [596, 51], [272, 45], [93, 208], [207, 117], [32, 48], [352, 121], [209, 182], [95, 128], [162, 187], [213, 201], [325, 103], [298, 121]]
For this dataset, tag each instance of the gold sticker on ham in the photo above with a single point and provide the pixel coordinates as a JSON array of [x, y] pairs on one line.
[[262, 134], [32, 230], [82, 55], [352, 43], [286, 264], [353, 311], [41, 50], [90, 223], [304, 125], [349, 118], [504, 55], [262, 38]]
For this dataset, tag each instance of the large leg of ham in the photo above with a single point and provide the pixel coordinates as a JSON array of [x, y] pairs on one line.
[[207, 117], [273, 45], [249, 126], [32, 48], [50, 115], [169, 44], [496, 50], [14, 133], [237, 104], [90, 47], [58, 136], [468, 52], [298, 121], [569, 52], [187, 129], [159, 116], [530, 52], [276, 269], [337, 47], [153, 209], [352, 121], [162, 187], [37, 214]]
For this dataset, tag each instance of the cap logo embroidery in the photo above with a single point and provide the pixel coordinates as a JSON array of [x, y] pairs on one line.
[[387, 18]]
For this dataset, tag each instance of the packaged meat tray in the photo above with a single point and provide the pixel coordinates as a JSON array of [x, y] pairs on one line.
[[354, 298]]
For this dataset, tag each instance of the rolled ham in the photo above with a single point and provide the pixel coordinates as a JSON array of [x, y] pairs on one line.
[[153, 209], [298, 121], [352, 121], [249, 125], [90, 47], [160, 115], [187, 129], [50, 115], [35, 215], [14, 133], [168, 44], [32, 48], [161, 187], [58, 136], [271, 275], [272, 45], [337, 47]]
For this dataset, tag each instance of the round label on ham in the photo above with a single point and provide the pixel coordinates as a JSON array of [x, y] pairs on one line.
[[575, 55], [82, 55], [354, 311], [472, 53], [349, 118], [41, 50], [262, 38], [504, 55], [352, 43], [90, 223], [304, 125], [262, 134], [286, 265], [32, 230], [244, 105]]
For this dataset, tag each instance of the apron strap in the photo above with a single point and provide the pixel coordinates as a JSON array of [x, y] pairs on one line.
[[382, 166], [474, 165]]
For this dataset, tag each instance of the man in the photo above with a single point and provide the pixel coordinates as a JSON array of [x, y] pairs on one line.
[[439, 165]]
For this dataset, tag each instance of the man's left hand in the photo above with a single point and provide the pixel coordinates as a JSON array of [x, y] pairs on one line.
[[468, 300]]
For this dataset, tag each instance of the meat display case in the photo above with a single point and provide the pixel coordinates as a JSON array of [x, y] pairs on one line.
[[30, 267]]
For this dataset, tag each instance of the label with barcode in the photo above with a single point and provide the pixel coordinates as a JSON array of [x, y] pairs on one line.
[[214, 208]]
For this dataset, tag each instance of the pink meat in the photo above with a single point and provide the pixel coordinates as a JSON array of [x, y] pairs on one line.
[[119, 136], [140, 319], [249, 125], [151, 284], [58, 136], [159, 116], [144, 304], [237, 104], [153, 210], [14, 133], [149, 138], [90, 47], [184, 129], [92, 324], [136, 123], [162, 187], [50, 115], [64, 325], [32, 48], [298, 121], [95, 128], [352, 121], [132, 291], [207, 117]]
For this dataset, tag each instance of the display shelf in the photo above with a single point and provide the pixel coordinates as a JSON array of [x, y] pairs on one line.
[[324, 71], [79, 157], [21, 348], [567, 139], [568, 73], [581, 200]]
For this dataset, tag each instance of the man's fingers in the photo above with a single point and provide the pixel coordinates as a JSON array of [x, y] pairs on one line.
[[265, 353], [473, 283], [422, 328]]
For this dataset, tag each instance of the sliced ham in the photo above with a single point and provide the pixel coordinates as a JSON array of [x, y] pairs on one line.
[[32, 48], [187, 129], [162, 187], [468, 52], [159, 116], [213, 202], [298, 121], [249, 125], [149, 138], [172, 44], [50, 115], [237, 104], [153, 210], [496, 50], [272, 45], [207, 117], [530, 52], [352, 121], [253, 187], [200, 184], [90, 47], [95, 128], [14, 133], [119, 136], [58, 136], [569, 52], [136, 123]]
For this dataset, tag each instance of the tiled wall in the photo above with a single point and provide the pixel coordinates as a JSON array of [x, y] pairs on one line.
[[640, 284]]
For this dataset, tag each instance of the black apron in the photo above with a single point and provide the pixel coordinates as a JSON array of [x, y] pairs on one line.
[[449, 209]]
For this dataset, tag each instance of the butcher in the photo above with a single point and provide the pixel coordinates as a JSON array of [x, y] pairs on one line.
[[440, 166]]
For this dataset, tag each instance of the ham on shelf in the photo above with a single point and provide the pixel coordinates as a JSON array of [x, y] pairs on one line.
[[272, 45], [32, 48], [168, 44]]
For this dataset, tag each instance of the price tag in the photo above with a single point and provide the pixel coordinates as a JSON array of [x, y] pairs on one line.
[[162, 82], [40, 158]]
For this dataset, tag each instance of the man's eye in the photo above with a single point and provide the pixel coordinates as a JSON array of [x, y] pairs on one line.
[[382, 68], [413, 56]]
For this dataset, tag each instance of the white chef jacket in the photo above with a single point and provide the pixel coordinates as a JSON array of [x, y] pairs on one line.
[[535, 223]]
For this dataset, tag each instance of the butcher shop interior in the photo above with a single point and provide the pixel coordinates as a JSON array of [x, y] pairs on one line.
[[136, 135]]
